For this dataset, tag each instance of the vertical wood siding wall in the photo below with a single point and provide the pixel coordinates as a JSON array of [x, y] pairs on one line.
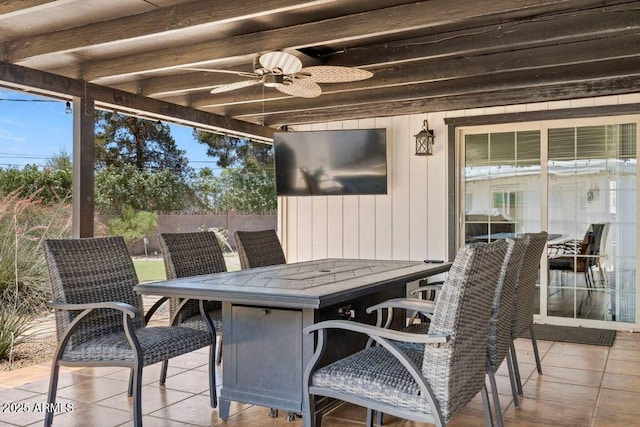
[[410, 222]]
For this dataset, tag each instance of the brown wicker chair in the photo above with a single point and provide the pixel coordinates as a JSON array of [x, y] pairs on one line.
[[192, 254], [99, 317], [421, 377], [259, 248]]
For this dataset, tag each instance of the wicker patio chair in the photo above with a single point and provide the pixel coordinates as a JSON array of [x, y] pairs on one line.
[[99, 317], [430, 385], [499, 338], [524, 306], [259, 248], [192, 254]]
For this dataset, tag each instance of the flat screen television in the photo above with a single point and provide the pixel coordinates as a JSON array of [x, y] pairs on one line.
[[334, 162]]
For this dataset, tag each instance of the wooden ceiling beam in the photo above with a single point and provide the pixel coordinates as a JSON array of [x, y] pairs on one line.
[[164, 20], [552, 30], [522, 35], [9, 8], [504, 81], [585, 53], [557, 92], [377, 22], [28, 79]]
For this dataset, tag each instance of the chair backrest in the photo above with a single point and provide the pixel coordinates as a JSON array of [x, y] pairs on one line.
[[596, 231], [500, 322], [602, 251], [456, 370], [91, 270], [259, 248], [191, 254], [524, 308]]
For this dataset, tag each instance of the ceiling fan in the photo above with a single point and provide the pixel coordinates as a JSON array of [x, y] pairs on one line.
[[284, 72]]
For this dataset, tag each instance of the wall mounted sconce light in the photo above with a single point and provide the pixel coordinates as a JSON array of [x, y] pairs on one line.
[[424, 140], [67, 108]]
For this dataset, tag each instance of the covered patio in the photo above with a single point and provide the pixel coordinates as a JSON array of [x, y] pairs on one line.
[[455, 64], [581, 386]]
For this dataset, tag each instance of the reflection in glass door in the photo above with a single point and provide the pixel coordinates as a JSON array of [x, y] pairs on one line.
[[592, 205], [578, 181]]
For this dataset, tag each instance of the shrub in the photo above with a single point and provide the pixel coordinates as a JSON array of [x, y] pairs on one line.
[[133, 226], [25, 221], [13, 325]]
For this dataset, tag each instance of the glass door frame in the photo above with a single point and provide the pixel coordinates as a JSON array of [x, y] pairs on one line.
[[542, 126]]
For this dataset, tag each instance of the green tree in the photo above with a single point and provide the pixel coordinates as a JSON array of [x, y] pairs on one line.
[[128, 186], [133, 225], [49, 185], [122, 139], [237, 189], [238, 152], [139, 165], [247, 182]]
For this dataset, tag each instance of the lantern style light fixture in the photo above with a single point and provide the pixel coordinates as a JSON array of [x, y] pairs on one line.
[[424, 140], [67, 108]]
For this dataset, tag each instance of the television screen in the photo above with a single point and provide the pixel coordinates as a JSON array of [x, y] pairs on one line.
[[335, 162]]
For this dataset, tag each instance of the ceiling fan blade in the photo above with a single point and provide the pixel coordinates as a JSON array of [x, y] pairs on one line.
[[334, 74], [208, 70], [235, 85], [286, 62], [302, 88]]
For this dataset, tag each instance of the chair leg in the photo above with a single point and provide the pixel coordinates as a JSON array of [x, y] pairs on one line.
[[488, 418], [535, 350], [137, 395], [163, 372], [218, 349], [51, 398], [512, 380], [309, 418], [494, 395], [130, 388], [369, 421], [516, 369], [213, 394]]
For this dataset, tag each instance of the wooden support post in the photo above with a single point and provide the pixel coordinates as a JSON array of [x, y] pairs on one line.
[[83, 166]]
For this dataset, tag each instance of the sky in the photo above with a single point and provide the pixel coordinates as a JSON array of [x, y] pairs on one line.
[[35, 129]]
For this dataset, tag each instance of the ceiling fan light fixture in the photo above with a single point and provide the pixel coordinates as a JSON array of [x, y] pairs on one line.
[[273, 80]]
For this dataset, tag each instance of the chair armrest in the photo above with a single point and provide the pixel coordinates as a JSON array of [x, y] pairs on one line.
[[435, 286], [421, 306], [378, 332], [152, 310], [128, 309]]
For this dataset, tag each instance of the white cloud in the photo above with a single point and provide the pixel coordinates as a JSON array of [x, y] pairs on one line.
[[6, 135]]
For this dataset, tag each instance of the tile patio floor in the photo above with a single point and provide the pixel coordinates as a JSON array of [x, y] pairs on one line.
[[581, 386]]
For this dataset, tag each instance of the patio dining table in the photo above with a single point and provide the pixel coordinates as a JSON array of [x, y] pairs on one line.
[[264, 311]]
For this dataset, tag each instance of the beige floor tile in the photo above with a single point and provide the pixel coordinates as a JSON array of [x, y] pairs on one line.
[[558, 392], [628, 336], [92, 415], [621, 382], [102, 371], [579, 349], [197, 410], [616, 420], [189, 382], [589, 363], [526, 369], [548, 412], [620, 354], [569, 376], [627, 344], [93, 390], [150, 373], [153, 399], [618, 402], [149, 421], [190, 360], [64, 380], [24, 375], [259, 416], [623, 367]]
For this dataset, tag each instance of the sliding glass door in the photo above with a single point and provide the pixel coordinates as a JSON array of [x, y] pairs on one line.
[[576, 179]]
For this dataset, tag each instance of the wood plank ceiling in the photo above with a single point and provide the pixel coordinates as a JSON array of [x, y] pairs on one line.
[[426, 56]]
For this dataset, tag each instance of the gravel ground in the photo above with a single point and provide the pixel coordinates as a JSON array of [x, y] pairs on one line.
[[30, 353]]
